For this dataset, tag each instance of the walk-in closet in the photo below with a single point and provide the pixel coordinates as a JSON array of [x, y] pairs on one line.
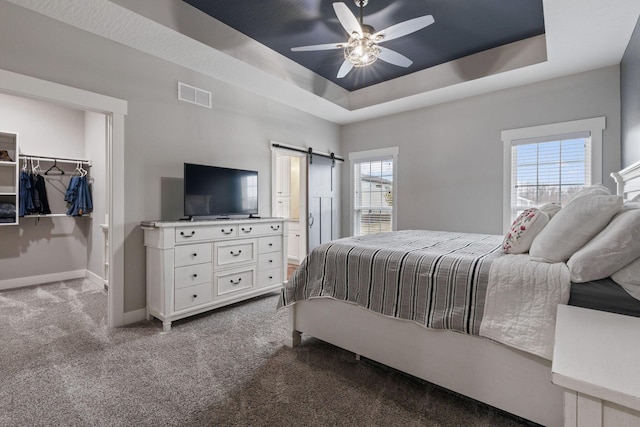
[[58, 238]]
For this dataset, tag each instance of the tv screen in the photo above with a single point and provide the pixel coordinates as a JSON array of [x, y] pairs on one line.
[[213, 190]]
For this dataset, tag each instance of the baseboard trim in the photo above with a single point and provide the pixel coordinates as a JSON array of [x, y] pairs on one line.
[[135, 316], [94, 278], [22, 282]]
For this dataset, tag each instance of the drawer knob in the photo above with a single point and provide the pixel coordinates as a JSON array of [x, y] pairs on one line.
[[275, 227], [270, 261], [195, 254], [236, 282], [236, 253], [247, 230], [186, 236], [195, 295], [270, 277], [194, 276], [227, 231], [270, 244]]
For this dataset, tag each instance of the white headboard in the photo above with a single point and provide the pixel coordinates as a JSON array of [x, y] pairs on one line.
[[628, 181]]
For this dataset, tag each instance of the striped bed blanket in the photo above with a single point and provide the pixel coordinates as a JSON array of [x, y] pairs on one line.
[[440, 280]]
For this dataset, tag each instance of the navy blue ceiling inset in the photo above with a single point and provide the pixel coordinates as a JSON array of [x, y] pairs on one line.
[[461, 28]]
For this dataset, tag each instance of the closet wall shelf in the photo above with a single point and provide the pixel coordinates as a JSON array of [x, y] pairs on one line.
[[5, 163], [84, 162], [54, 215]]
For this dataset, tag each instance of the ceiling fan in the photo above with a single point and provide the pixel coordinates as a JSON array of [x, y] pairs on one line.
[[363, 47]]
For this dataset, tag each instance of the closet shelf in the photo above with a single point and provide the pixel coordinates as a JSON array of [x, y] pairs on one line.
[[5, 163], [54, 215], [84, 162]]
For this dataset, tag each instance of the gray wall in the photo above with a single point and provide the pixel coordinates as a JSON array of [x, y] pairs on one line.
[[160, 132], [49, 245], [450, 161], [630, 99]]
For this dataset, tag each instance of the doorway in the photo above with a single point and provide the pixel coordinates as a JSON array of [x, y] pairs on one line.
[[289, 199], [304, 191], [114, 110]]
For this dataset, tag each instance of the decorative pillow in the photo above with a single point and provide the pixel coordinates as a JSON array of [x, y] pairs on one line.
[[613, 248], [523, 230], [550, 209], [571, 228], [629, 278]]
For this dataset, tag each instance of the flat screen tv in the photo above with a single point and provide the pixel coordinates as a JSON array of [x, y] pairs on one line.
[[218, 191]]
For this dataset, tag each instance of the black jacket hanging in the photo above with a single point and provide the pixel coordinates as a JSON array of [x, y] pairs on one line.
[[40, 200]]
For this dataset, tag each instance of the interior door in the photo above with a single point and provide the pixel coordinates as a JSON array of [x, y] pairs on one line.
[[321, 200]]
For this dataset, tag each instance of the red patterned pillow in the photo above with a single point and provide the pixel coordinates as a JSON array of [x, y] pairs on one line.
[[523, 230]]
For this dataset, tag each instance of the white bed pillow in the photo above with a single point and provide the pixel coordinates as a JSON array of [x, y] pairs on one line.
[[611, 249], [573, 226], [523, 230], [592, 190], [629, 278], [550, 209]]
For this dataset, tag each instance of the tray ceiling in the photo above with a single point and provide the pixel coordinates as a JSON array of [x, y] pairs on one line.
[[461, 28]]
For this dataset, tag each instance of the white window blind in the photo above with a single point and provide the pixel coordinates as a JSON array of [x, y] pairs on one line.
[[373, 196], [549, 169]]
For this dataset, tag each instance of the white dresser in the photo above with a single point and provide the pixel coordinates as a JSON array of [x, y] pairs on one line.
[[597, 361], [197, 266]]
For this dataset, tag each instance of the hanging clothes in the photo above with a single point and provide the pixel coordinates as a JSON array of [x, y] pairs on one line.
[[40, 199], [26, 194], [78, 196]]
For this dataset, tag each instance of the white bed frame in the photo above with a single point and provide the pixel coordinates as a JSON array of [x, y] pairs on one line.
[[489, 372]]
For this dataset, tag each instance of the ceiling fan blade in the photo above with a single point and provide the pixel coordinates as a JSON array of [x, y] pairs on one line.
[[393, 57], [347, 19], [344, 69], [404, 28], [327, 46]]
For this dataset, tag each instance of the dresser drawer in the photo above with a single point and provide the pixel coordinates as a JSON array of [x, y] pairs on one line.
[[269, 244], [192, 275], [260, 229], [229, 253], [228, 282], [270, 260], [192, 254], [193, 234], [269, 277], [192, 296]]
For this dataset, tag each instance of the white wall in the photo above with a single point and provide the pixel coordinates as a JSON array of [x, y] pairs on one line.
[[43, 246], [450, 160], [161, 133]]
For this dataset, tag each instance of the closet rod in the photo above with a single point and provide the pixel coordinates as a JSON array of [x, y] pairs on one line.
[[56, 159]]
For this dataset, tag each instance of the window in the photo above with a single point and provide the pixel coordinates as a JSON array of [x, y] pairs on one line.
[[373, 190], [550, 163]]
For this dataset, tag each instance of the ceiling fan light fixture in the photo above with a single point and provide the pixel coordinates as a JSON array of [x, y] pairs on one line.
[[361, 51]]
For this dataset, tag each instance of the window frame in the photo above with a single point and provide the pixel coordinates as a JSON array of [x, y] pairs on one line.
[[595, 126], [390, 153]]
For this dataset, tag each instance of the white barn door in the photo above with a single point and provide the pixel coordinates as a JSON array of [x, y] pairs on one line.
[[322, 205]]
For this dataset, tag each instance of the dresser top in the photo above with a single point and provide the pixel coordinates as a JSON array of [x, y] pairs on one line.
[[203, 222], [598, 354]]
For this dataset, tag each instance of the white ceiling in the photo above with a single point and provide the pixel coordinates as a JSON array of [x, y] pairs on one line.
[[580, 35]]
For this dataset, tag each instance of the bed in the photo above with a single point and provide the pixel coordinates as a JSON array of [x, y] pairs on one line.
[[459, 341]]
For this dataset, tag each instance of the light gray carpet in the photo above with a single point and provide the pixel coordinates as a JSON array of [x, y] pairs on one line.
[[61, 365]]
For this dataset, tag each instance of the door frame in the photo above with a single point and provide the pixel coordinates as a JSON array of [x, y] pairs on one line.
[[115, 110]]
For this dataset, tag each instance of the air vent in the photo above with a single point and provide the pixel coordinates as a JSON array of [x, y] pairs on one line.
[[194, 95]]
